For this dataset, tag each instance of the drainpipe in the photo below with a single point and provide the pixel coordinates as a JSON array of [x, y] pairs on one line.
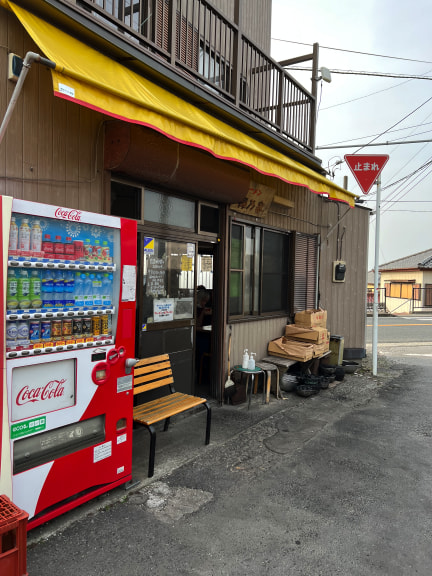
[[30, 57]]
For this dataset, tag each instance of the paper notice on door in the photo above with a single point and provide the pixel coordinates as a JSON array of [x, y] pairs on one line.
[[129, 283]]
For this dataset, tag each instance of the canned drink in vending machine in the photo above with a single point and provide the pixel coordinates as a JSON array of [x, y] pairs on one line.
[[67, 328], [11, 332], [104, 324], [45, 330], [77, 327], [86, 326], [34, 331], [96, 325], [23, 330], [56, 329]]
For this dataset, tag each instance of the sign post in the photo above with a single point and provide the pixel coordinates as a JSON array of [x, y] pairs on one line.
[[367, 169]]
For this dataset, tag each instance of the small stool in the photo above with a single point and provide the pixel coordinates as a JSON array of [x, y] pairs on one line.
[[269, 368], [249, 373]]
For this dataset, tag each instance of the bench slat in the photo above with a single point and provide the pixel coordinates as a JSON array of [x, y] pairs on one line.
[[153, 369], [153, 360], [162, 408], [140, 388]]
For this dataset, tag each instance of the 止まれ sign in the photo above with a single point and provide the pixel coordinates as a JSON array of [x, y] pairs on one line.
[[366, 168]]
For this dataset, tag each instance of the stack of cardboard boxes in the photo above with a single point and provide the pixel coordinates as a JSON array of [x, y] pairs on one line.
[[307, 338]]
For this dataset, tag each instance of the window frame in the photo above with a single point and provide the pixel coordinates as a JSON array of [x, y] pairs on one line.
[[257, 254]]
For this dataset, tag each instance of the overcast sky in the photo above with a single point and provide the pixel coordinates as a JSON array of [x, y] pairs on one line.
[[357, 108]]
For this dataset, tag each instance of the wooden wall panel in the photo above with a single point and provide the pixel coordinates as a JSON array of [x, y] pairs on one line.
[[30, 98], [255, 337], [49, 151], [14, 156], [255, 19], [3, 90]]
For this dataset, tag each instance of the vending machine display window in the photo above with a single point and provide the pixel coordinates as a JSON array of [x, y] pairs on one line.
[[61, 284]]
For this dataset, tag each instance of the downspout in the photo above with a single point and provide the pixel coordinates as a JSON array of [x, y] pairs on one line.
[[30, 57]]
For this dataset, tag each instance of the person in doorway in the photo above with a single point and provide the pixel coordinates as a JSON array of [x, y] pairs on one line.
[[203, 312], [203, 335]]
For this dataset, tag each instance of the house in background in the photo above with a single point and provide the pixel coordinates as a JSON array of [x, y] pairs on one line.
[[174, 114], [408, 283]]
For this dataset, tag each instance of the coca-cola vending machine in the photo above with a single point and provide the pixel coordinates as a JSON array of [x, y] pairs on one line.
[[69, 322]]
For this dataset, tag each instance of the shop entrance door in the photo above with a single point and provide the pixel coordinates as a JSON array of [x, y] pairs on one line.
[[170, 307]]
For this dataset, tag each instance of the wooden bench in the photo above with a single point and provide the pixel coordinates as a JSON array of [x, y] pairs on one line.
[[151, 374]]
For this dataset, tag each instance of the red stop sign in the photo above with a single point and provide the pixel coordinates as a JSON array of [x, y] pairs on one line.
[[366, 168]]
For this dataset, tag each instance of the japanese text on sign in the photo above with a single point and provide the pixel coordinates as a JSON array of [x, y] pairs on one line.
[[366, 167]]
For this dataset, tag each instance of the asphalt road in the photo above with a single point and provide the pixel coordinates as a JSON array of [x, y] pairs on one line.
[[337, 484], [401, 329]]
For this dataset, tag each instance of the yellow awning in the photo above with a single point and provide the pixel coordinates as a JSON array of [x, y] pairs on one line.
[[87, 77]]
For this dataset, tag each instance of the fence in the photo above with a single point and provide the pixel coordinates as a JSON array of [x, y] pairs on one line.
[[382, 305]]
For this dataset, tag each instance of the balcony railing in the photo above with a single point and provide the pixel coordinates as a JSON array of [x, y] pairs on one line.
[[196, 39]]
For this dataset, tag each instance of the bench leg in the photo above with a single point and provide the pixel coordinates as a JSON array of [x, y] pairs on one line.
[[152, 450], [208, 426], [167, 423]]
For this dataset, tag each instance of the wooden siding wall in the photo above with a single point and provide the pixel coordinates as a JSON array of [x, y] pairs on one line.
[[52, 149], [345, 302], [255, 20]]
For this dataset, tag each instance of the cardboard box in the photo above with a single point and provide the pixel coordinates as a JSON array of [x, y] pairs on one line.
[[311, 318], [320, 349], [316, 335], [292, 349]]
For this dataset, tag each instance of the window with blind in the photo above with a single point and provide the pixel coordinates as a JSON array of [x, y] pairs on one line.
[[306, 263], [401, 290]]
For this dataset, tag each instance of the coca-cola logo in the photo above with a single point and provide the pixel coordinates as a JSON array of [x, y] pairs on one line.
[[52, 389], [74, 215]]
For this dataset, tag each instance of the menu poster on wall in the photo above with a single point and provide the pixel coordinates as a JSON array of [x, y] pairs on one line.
[[155, 276], [163, 310], [206, 264], [186, 263]]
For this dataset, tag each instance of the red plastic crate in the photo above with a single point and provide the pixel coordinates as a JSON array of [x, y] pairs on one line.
[[13, 539]]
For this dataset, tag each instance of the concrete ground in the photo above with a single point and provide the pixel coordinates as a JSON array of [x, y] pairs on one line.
[[339, 483]]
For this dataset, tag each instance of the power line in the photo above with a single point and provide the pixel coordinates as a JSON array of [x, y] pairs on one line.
[[372, 135], [355, 51], [364, 73], [396, 123], [388, 143]]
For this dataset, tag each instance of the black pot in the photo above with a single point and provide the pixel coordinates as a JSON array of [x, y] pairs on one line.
[[339, 373], [350, 366], [327, 370], [306, 390]]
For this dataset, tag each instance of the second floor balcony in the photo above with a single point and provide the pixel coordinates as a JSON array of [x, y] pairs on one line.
[[198, 43]]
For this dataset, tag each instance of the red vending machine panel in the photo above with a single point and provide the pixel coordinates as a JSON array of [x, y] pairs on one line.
[[70, 330]]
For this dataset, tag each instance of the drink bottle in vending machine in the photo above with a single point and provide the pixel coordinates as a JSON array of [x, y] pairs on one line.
[[68, 366]]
